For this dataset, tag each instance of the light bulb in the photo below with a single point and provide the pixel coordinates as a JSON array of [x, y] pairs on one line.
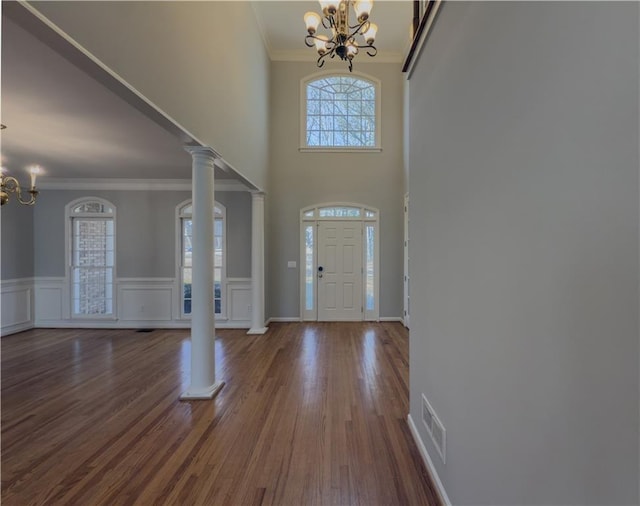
[[352, 50], [321, 44], [370, 34], [329, 7], [363, 9], [312, 20], [34, 171]]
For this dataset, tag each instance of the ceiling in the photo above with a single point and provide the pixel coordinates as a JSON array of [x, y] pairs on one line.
[[283, 28]]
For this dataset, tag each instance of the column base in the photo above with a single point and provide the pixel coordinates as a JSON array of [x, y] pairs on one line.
[[257, 330], [202, 393]]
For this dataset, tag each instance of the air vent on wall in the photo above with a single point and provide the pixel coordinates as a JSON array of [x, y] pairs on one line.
[[435, 428]]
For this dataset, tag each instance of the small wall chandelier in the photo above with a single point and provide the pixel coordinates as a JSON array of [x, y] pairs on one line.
[[9, 184], [343, 35]]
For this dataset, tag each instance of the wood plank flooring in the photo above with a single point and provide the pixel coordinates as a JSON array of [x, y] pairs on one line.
[[311, 414]]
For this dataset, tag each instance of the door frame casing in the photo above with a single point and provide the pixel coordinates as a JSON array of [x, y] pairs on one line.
[[369, 216]]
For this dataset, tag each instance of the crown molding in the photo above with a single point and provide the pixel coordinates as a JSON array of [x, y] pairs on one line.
[[302, 55], [262, 29], [133, 184]]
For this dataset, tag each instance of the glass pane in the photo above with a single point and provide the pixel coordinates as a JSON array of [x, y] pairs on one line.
[[186, 290], [92, 260], [340, 212], [187, 210], [218, 306], [370, 214], [369, 261], [187, 248], [92, 207], [186, 277], [309, 214], [337, 109], [308, 267]]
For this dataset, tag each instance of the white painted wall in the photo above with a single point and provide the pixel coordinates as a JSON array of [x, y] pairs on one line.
[[202, 63], [524, 250], [300, 179]]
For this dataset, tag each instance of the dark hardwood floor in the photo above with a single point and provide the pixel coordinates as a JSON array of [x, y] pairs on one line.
[[309, 414]]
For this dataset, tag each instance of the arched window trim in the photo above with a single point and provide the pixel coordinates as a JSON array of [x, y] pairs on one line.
[[303, 112], [70, 214], [183, 210]]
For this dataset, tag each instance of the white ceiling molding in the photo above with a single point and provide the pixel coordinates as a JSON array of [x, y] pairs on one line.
[[133, 184], [302, 55], [262, 29]]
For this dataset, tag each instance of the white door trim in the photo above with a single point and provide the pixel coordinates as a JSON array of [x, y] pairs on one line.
[[407, 305], [370, 218]]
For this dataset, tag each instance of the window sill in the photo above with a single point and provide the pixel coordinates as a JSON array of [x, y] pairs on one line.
[[339, 150], [187, 318], [94, 318]]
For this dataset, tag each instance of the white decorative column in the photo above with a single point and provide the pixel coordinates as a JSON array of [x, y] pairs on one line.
[[203, 331], [257, 264]]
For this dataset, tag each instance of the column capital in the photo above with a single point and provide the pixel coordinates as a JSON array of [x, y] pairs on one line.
[[202, 151], [257, 195]]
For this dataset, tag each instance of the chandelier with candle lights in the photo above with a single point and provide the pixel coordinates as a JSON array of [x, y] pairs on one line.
[[343, 39], [9, 184]]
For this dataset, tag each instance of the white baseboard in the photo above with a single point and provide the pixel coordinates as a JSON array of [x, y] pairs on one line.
[[391, 319], [283, 319], [297, 319], [129, 324], [14, 329], [428, 462]]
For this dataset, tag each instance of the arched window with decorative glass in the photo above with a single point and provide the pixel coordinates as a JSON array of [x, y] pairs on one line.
[[340, 112], [185, 228], [91, 240]]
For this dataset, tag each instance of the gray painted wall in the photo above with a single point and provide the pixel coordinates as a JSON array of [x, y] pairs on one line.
[[16, 248], [171, 53], [145, 231], [524, 250], [297, 180]]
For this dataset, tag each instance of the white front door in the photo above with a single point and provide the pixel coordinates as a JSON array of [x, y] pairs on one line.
[[339, 271]]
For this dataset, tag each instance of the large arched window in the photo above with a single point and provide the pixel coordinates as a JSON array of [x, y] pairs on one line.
[[92, 262], [340, 112], [185, 225]]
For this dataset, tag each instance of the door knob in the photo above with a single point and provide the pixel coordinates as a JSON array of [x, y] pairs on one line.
[[320, 270]]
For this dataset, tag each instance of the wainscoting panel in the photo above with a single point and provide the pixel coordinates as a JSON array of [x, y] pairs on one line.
[[50, 295], [16, 305], [139, 302], [239, 300], [145, 300]]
